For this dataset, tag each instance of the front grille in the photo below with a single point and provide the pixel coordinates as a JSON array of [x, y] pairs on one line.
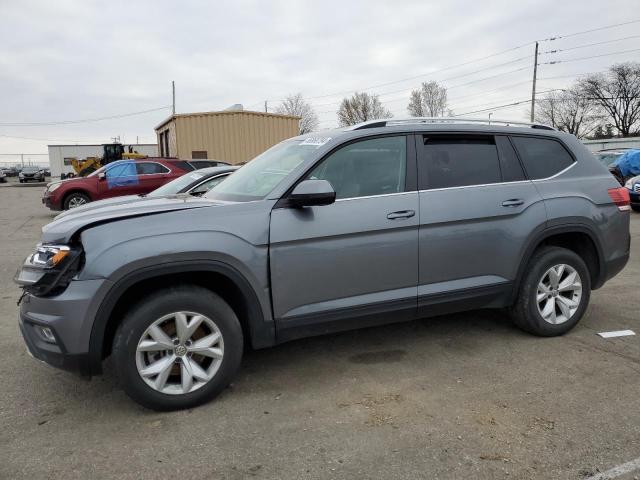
[[636, 187]]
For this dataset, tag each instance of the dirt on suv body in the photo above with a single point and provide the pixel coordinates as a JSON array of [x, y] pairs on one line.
[[376, 223]]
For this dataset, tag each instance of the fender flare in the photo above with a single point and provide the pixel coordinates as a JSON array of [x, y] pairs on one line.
[[544, 232], [261, 329]]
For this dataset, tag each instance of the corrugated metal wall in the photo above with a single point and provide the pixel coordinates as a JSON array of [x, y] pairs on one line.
[[233, 137]]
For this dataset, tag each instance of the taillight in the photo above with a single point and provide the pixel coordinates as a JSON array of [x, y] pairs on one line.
[[620, 197]]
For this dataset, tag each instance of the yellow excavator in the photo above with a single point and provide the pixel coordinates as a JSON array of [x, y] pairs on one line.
[[110, 153]]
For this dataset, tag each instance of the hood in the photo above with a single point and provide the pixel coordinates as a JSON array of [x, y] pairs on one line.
[[110, 202], [99, 204], [66, 225]]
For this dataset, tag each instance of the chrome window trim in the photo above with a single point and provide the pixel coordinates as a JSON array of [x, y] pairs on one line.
[[375, 196], [145, 174], [557, 174], [208, 179], [500, 183], [473, 186]]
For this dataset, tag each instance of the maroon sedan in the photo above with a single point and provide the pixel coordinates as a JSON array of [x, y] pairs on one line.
[[124, 177]]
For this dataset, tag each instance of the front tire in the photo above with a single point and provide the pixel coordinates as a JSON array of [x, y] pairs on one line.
[[178, 348], [635, 208], [76, 199], [554, 293]]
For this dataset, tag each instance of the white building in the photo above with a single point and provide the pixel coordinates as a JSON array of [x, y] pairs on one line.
[[608, 143], [60, 155]]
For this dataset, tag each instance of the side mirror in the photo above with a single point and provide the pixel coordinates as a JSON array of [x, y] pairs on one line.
[[102, 176], [312, 192]]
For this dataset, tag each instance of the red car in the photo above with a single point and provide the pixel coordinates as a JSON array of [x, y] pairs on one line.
[[123, 177]]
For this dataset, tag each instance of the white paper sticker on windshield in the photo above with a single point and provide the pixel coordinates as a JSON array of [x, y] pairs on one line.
[[195, 176], [316, 141]]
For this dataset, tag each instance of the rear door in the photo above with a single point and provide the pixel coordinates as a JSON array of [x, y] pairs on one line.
[[477, 210], [358, 255], [151, 175]]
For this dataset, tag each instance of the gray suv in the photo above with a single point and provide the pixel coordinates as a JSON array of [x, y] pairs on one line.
[[380, 222]]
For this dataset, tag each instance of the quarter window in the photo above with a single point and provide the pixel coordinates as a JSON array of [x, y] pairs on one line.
[[458, 160], [365, 168], [542, 157], [150, 168]]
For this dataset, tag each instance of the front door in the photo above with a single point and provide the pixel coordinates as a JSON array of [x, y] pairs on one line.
[[477, 211], [121, 178], [357, 256]]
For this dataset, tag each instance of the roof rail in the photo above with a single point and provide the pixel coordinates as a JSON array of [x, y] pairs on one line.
[[426, 120]]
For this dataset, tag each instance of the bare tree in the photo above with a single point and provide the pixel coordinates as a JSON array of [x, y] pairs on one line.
[[430, 100], [618, 94], [297, 106], [569, 111], [360, 108]]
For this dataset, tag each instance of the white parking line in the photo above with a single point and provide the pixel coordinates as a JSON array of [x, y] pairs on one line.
[[615, 472]]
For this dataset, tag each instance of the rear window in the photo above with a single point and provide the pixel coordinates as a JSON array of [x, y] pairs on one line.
[[150, 168], [542, 157], [458, 160], [182, 165]]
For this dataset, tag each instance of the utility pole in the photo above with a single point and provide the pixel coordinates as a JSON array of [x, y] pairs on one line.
[[533, 90], [265, 107], [173, 94]]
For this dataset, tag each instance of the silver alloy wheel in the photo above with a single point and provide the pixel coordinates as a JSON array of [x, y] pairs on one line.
[[76, 201], [179, 353], [559, 294]]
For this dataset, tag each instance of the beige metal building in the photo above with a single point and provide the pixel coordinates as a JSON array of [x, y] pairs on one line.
[[232, 136]]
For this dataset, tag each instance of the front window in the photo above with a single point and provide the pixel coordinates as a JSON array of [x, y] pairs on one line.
[[365, 168], [259, 177]]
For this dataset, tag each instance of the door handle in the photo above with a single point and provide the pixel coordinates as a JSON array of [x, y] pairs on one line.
[[513, 202], [401, 214]]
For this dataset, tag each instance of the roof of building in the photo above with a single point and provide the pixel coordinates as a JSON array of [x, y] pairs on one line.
[[100, 144], [224, 112]]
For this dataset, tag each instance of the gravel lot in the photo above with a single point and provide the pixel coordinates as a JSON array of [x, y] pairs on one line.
[[460, 396]]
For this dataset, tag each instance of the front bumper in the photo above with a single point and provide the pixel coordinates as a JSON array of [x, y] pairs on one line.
[[70, 316], [51, 201], [50, 353]]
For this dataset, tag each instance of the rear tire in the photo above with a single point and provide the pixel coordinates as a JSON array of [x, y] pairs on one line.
[[136, 348], [545, 310], [75, 199]]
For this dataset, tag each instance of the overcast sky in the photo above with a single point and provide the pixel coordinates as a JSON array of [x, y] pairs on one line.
[[72, 60]]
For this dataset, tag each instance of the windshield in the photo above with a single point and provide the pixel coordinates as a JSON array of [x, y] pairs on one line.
[[30, 169], [261, 175], [174, 186]]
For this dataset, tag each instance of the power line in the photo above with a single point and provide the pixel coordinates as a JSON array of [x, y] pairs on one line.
[[40, 139], [606, 27], [86, 120], [571, 75], [499, 107], [557, 37], [448, 88], [490, 103], [587, 58], [588, 45]]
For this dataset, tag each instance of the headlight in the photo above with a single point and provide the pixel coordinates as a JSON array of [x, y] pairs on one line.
[[53, 186], [631, 181], [49, 268]]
